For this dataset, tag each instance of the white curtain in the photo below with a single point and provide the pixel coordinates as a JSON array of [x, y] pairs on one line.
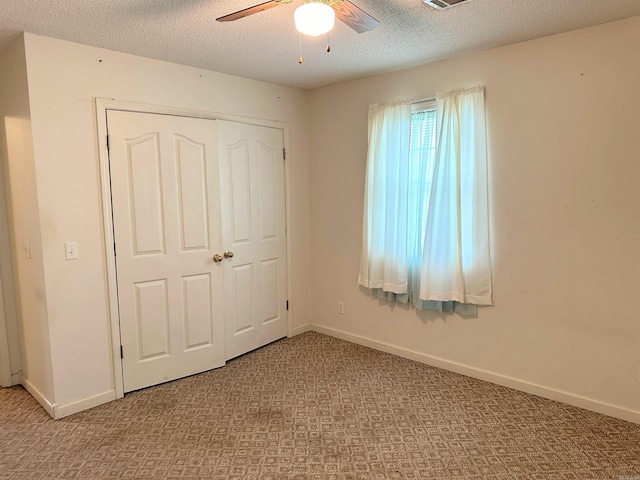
[[456, 262], [425, 236], [383, 264]]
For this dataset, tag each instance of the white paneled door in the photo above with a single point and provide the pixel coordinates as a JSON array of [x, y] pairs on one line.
[[167, 228], [200, 242], [253, 225]]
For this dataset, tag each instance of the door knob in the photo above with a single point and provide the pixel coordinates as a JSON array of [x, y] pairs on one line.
[[217, 258], [228, 254]]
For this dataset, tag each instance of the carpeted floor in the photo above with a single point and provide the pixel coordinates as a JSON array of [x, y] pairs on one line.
[[315, 407]]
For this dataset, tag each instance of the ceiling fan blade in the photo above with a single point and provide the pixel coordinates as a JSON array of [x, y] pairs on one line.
[[354, 17], [245, 12]]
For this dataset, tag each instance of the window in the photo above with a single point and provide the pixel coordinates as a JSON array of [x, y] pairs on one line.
[[422, 148], [425, 225]]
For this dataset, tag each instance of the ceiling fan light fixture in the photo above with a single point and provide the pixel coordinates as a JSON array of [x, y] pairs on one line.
[[314, 18]]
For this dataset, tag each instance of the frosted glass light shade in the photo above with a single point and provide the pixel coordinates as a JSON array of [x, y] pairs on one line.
[[314, 18]]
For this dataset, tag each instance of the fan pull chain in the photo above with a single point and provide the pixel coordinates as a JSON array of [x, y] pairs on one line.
[[300, 59]]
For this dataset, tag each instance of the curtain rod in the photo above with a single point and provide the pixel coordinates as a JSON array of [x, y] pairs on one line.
[[424, 100]]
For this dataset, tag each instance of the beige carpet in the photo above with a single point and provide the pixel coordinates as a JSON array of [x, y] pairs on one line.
[[314, 407]]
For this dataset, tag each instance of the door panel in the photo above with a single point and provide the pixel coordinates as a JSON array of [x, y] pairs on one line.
[[240, 204], [152, 319], [143, 179], [268, 162], [253, 219], [241, 279], [270, 310], [194, 212], [198, 304], [167, 227]]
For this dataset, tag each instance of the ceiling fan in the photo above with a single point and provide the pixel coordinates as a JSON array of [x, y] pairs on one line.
[[345, 11]]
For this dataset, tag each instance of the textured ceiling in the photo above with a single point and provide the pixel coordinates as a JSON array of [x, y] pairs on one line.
[[265, 46]]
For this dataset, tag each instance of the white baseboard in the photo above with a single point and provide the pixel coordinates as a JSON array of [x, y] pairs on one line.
[[521, 385], [66, 409], [59, 411], [301, 329], [35, 393]]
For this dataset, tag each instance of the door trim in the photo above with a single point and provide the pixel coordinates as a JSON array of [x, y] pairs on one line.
[[102, 106], [5, 362]]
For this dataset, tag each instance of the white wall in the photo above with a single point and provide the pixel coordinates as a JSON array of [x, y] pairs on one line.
[[563, 147], [16, 153], [64, 80]]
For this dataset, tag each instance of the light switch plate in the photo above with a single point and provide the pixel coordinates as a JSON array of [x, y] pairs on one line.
[[26, 247]]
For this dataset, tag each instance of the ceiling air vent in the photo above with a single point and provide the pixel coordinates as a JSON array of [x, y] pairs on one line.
[[444, 4]]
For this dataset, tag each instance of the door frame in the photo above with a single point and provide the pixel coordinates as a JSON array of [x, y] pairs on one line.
[[5, 361], [102, 106]]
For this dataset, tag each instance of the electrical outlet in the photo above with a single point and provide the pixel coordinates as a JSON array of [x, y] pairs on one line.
[[341, 308], [71, 250]]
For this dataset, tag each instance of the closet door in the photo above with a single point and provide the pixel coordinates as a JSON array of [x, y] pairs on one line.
[[167, 229], [252, 191]]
